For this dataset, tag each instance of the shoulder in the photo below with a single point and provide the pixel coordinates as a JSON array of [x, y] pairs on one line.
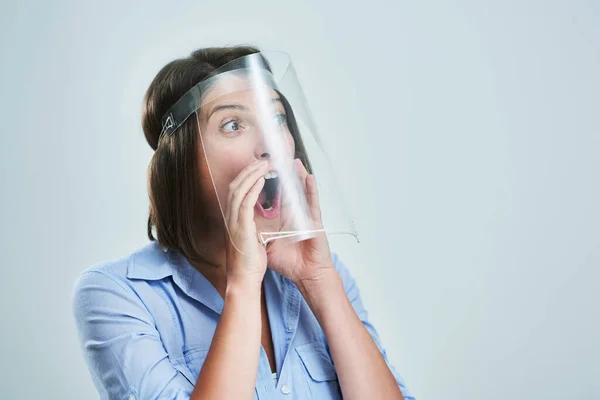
[[118, 275], [108, 270]]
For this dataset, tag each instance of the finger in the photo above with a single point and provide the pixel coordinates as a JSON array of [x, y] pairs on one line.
[[310, 186], [302, 173], [240, 192], [312, 194], [301, 170], [243, 174], [246, 213]]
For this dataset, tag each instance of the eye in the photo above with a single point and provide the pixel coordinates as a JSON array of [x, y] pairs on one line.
[[280, 119], [231, 126]]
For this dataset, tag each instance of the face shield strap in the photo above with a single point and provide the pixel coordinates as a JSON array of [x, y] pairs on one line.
[[254, 65]]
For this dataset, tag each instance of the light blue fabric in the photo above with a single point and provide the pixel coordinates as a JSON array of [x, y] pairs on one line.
[[146, 323]]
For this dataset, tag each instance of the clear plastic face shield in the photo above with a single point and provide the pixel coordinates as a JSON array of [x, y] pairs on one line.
[[254, 108]]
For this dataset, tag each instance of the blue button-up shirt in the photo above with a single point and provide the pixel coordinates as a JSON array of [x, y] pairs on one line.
[[146, 323]]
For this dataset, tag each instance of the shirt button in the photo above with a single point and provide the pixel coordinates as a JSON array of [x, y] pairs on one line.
[[285, 389]]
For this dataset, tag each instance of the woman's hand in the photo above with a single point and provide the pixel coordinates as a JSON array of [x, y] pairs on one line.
[[246, 257], [308, 261]]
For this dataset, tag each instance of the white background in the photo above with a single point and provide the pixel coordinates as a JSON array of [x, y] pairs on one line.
[[465, 135]]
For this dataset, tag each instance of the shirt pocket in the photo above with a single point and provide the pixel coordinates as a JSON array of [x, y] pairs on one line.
[[319, 371], [194, 360]]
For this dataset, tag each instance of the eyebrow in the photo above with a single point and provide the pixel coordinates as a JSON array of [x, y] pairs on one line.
[[226, 107], [276, 100], [237, 107]]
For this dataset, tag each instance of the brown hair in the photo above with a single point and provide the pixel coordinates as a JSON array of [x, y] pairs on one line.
[[176, 199]]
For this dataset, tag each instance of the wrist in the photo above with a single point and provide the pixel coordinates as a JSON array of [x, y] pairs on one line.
[[324, 296], [319, 283], [243, 287]]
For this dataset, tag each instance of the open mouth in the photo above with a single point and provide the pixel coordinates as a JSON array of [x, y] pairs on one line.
[[269, 200]]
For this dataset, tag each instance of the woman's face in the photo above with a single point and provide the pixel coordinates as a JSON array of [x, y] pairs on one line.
[[237, 128]]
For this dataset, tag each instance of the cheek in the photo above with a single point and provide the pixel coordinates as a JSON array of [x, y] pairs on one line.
[[222, 166], [291, 144]]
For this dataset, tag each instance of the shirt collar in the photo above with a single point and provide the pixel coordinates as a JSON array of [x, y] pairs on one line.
[[152, 262]]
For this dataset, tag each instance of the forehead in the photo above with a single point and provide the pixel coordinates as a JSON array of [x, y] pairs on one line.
[[239, 89]]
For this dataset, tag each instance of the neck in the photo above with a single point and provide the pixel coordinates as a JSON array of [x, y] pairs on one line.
[[214, 265]]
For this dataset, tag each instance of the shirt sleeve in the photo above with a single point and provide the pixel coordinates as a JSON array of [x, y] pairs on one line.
[[121, 346], [354, 296]]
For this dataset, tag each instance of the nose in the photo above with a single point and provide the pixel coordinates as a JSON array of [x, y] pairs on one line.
[[262, 155], [261, 146]]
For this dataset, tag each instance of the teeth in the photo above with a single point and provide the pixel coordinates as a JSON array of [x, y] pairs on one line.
[[271, 175]]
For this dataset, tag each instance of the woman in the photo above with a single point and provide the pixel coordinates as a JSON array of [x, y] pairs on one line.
[[196, 314]]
